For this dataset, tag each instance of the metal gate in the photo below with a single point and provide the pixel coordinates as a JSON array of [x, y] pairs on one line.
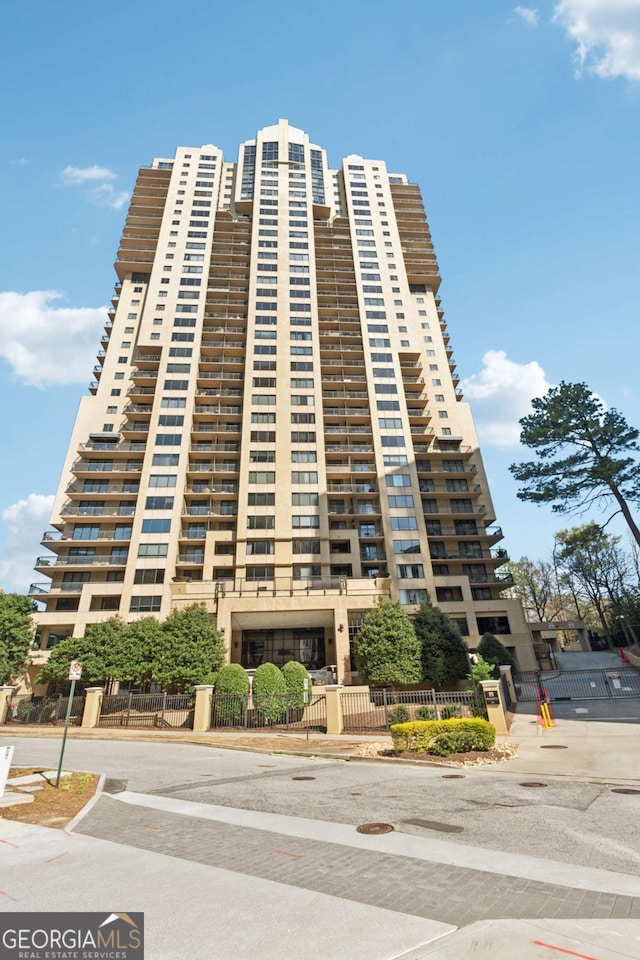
[[283, 711], [147, 710], [557, 685]]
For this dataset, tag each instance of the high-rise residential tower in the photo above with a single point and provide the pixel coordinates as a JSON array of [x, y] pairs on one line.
[[275, 428]]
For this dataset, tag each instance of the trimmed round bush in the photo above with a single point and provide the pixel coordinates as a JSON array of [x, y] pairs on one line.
[[295, 674], [398, 714], [231, 694], [270, 692]]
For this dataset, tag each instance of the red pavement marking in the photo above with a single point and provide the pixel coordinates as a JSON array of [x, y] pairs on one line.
[[572, 953], [57, 857], [9, 844], [284, 853], [150, 826], [8, 896]]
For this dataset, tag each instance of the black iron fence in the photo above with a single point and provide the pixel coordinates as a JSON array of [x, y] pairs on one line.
[[376, 710], [557, 685], [26, 709], [147, 710], [287, 711]]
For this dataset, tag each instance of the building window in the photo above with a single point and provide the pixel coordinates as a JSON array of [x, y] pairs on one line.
[[495, 624], [145, 604]]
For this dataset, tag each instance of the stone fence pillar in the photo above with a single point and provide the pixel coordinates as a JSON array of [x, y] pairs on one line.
[[92, 707], [5, 701], [495, 705], [202, 711], [507, 673], [333, 702]]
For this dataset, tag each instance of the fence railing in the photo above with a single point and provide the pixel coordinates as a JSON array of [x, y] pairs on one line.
[[147, 710], [287, 711], [376, 710], [26, 708]]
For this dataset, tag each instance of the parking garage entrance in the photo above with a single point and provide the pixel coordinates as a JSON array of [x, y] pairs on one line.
[[304, 644]]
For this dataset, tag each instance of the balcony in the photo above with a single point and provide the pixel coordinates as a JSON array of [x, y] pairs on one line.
[[92, 561], [72, 510], [108, 466]]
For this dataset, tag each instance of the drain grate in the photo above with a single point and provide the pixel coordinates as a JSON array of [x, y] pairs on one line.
[[533, 783], [453, 776], [114, 786], [356, 794], [375, 828], [434, 825], [303, 778], [628, 790], [553, 746]]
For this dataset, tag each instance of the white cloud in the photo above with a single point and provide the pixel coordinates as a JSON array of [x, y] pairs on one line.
[[47, 344], [24, 523], [501, 394], [103, 192], [20, 162], [106, 194], [528, 14], [606, 34], [73, 175]]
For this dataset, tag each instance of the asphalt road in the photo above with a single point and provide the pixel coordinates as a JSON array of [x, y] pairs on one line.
[[576, 823]]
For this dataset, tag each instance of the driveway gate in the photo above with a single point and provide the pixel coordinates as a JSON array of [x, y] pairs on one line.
[[578, 684]]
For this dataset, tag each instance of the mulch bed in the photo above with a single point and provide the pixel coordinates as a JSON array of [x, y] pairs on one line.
[[52, 807]]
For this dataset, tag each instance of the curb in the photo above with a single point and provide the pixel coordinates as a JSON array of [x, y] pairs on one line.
[[70, 827]]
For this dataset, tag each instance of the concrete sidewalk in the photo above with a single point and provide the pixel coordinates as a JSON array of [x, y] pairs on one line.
[[196, 910]]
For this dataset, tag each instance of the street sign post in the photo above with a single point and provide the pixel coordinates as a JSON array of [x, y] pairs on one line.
[[75, 673]]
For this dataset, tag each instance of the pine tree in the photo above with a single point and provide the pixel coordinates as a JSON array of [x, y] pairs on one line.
[[387, 649], [444, 652]]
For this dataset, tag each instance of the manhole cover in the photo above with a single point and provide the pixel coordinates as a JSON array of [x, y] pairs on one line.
[[628, 790], [553, 746], [532, 783], [453, 776], [375, 828], [434, 825], [303, 778]]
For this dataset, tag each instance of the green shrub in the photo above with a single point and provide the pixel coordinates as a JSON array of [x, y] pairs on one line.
[[416, 737], [458, 741], [426, 713], [270, 692], [231, 694], [24, 706], [295, 674], [450, 710], [495, 652], [398, 714]]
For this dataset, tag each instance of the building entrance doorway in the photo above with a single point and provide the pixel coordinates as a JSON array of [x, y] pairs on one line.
[[306, 645]]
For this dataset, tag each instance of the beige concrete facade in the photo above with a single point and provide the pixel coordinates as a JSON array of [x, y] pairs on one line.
[[275, 428]]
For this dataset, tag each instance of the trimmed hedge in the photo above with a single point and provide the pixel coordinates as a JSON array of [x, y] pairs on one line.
[[416, 737], [269, 692], [295, 674], [231, 693]]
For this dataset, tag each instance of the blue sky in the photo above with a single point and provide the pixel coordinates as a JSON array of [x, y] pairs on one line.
[[520, 123]]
